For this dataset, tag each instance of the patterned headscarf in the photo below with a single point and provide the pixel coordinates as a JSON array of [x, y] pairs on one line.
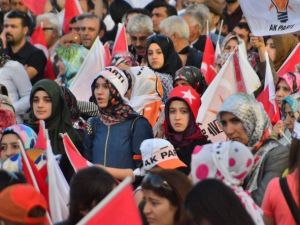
[[251, 113], [123, 57], [25, 133], [229, 162], [117, 110], [193, 76]]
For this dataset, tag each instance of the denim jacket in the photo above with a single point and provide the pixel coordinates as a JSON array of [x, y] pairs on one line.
[[116, 145]]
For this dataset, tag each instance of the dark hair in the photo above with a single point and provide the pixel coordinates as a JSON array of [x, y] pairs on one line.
[[3, 90], [25, 19], [87, 188], [211, 200], [172, 61], [180, 186], [171, 10], [9, 178], [117, 9], [138, 11]]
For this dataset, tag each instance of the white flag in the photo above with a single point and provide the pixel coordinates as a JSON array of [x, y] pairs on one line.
[[232, 78], [267, 17], [90, 68], [59, 189]]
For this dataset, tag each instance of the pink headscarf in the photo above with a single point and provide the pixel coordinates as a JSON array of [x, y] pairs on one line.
[[292, 79]]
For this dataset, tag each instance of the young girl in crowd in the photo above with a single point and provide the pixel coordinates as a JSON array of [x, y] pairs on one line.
[[164, 194], [10, 147], [180, 122], [163, 59], [114, 137], [275, 206], [47, 103], [229, 162]]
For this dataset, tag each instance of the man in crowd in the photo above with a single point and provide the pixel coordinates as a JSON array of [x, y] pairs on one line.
[[139, 28], [16, 28]]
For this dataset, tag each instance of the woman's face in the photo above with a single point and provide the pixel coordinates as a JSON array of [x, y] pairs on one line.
[[230, 46], [179, 115], [158, 210], [290, 117], [282, 90], [270, 47], [9, 146], [155, 56], [42, 105], [101, 93]]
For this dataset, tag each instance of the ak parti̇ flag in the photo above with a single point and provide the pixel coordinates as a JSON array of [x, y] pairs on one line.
[[267, 96], [208, 61], [37, 7], [77, 160], [117, 208]]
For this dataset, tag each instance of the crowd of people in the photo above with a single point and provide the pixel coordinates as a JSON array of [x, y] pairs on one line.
[[141, 118]]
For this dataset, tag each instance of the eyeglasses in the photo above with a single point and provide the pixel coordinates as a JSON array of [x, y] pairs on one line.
[[47, 28], [155, 181]]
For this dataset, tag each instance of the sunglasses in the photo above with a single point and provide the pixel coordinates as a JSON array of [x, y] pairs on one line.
[[155, 181]]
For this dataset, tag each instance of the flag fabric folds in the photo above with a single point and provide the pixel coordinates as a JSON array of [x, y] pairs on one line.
[[37, 7], [120, 44], [267, 96], [291, 62], [117, 208], [274, 17], [58, 188], [208, 61], [77, 160], [236, 75], [91, 66], [72, 9]]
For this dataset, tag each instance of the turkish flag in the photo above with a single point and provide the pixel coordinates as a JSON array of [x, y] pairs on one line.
[[208, 61], [35, 6], [72, 9], [120, 44], [291, 62], [117, 208]]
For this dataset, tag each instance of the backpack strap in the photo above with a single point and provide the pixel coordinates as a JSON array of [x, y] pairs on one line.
[[289, 199]]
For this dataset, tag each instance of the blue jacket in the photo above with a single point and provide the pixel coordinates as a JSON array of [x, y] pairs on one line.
[[115, 145]]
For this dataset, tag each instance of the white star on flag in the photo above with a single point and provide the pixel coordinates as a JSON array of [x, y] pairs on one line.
[[188, 95]]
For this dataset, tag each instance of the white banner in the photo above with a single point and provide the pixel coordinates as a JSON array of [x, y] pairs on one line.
[[272, 17]]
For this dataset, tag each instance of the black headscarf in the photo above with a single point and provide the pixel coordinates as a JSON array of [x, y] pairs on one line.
[[172, 60]]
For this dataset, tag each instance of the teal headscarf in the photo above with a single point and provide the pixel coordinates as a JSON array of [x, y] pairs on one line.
[[293, 101]]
